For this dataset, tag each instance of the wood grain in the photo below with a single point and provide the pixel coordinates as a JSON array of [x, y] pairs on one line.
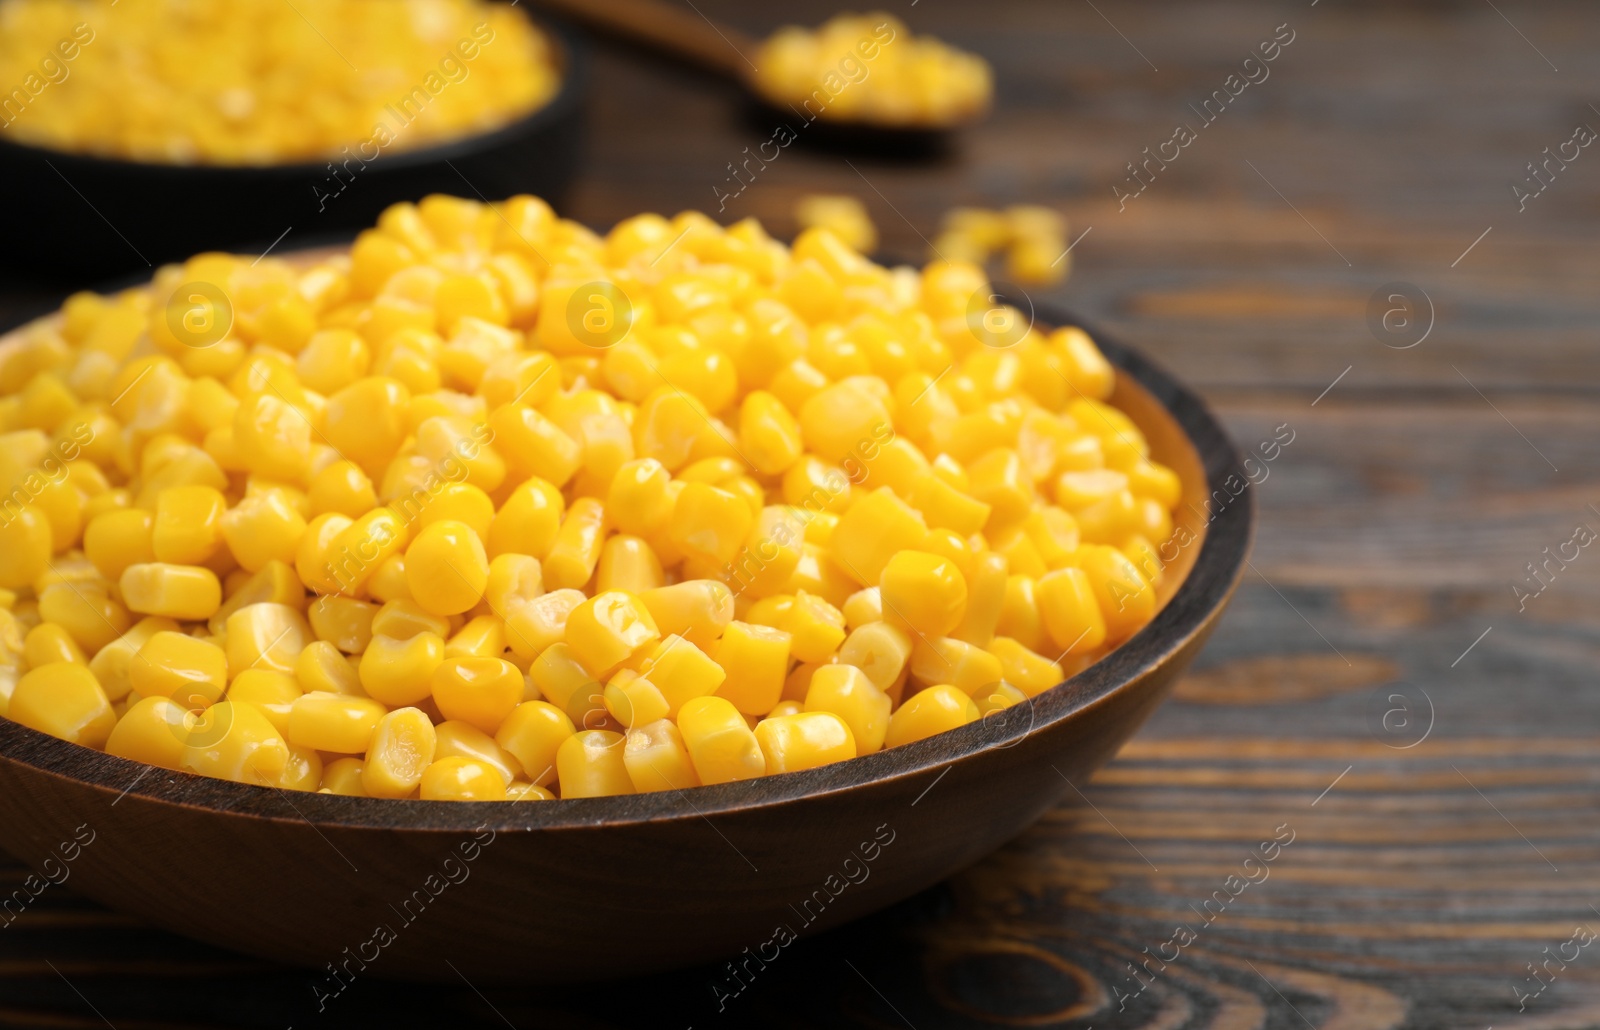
[[1415, 893]]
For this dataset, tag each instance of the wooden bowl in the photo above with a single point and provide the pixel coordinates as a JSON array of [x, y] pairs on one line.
[[86, 217], [587, 889]]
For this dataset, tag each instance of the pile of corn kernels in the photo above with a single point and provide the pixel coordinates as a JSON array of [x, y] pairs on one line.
[[870, 68], [490, 506], [264, 81]]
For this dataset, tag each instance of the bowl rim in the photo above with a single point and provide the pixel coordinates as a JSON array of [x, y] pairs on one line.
[[1188, 613], [573, 51]]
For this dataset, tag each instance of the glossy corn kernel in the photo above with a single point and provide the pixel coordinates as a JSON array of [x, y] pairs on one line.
[[923, 593], [462, 779], [400, 672], [696, 609], [957, 663], [173, 591], [185, 669], [265, 636], [47, 643], [930, 711], [1028, 671], [342, 621], [877, 526], [681, 672], [879, 649], [188, 524], [447, 568], [401, 749], [755, 661], [535, 625], [608, 629], [847, 692], [720, 742], [633, 700], [804, 740], [115, 540], [338, 723], [64, 700], [575, 551], [656, 758], [1126, 598], [478, 690], [533, 733], [235, 740], [815, 627], [1070, 611], [459, 740], [589, 764], [153, 731]]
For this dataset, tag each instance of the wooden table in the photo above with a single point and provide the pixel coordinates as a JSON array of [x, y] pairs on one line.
[[1376, 691]]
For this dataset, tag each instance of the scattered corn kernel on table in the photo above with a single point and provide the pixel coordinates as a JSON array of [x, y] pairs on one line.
[[1366, 807]]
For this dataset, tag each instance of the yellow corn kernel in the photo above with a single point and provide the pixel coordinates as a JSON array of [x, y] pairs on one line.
[[695, 609], [272, 437], [388, 581], [755, 661], [64, 700], [259, 529], [986, 590], [1126, 598], [359, 548], [404, 619], [534, 445], [365, 421], [769, 435], [265, 636], [1000, 480], [274, 583], [188, 670], [923, 593], [528, 522], [656, 758], [152, 731], [111, 664], [400, 672], [534, 626], [26, 544], [462, 779], [174, 591], [628, 563], [878, 649], [1070, 611], [1087, 370], [573, 555], [188, 524], [338, 723], [1028, 671], [514, 580], [815, 627], [862, 607], [402, 748], [804, 740], [447, 568], [877, 526], [948, 507], [608, 629], [483, 636], [533, 734], [235, 740], [1077, 490], [589, 765], [459, 740], [342, 621], [313, 558], [342, 776], [116, 540], [633, 700], [843, 419], [1001, 697], [303, 771], [957, 663], [930, 711], [479, 691], [816, 486], [272, 693], [721, 744], [323, 667], [681, 672], [1019, 613], [710, 523], [47, 643], [341, 487], [846, 691]]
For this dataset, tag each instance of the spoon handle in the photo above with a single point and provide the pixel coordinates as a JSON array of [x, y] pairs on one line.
[[681, 32]]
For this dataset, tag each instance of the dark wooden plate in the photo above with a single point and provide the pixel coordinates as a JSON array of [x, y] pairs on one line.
[[86, 217], [566, 891]]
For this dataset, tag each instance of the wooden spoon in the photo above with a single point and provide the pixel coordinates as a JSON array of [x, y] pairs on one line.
[[692, 37]]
